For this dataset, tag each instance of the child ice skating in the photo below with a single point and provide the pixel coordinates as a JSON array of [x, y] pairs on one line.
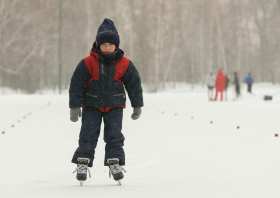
[[97, 85]]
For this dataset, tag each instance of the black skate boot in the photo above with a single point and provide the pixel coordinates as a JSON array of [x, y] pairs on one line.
[[115, 169], [81, 169]]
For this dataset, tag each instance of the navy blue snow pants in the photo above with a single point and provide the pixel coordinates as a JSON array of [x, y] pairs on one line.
[[90, 130]]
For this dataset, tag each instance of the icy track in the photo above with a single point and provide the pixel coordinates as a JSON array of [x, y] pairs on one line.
[[173, 150]]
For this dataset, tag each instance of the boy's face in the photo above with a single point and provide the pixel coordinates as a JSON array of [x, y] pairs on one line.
[[107, 48]]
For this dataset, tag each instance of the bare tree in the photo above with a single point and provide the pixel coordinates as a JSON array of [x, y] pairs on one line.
[[168, 41]]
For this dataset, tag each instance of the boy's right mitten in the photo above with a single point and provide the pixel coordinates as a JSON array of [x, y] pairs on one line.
[[74, 113], [136, 113]]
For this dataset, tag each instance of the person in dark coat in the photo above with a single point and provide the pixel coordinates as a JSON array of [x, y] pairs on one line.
[[227, 83], [220, 84], [249, 81], [237, 84], [98, 86]]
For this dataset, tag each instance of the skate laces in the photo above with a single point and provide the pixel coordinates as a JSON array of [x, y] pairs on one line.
[[82, 169], [115, 168]]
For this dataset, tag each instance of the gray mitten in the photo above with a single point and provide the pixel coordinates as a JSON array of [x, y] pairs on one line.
[[136, 113], [74, 113]]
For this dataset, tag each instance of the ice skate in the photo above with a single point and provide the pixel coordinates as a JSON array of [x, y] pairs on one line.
[[115, 169], [81, 169]]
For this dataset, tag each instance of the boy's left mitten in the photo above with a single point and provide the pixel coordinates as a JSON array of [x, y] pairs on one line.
[[136, 113], [74, 113]]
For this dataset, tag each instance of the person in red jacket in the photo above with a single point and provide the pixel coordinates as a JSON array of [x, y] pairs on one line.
[[220, 84]]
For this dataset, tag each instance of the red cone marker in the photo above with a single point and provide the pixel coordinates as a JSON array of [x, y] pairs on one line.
[[276, 135]]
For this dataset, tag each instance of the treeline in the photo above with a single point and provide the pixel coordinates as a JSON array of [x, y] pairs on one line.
[[169, 41]]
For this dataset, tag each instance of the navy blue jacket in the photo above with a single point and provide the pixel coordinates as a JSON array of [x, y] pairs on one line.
[[249, 80], [104, 90]]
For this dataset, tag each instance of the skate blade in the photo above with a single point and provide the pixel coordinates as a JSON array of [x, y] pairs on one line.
[[120, 183]]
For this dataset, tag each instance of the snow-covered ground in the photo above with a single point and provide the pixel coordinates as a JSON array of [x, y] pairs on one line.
[[173, 150]]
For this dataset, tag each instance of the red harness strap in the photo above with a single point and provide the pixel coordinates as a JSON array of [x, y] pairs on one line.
[[93, 68], [121, 68]]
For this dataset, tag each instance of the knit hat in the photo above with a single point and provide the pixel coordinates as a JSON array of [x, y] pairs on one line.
[[107, 33]]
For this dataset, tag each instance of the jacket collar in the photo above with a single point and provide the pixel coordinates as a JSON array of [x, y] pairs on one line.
[[117, 55]]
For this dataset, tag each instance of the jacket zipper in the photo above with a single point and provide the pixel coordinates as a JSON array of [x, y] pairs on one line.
[[105, 87], [91, 95], [119, 95]]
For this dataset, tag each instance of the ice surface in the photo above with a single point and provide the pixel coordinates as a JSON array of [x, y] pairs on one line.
[[167, 155]]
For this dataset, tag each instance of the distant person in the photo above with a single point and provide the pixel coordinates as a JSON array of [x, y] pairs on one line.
[[210, 82], [249, 82], [237, 84], [220, 84], [227, 83]]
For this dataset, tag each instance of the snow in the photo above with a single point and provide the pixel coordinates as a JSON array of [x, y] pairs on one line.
[[173, 150]]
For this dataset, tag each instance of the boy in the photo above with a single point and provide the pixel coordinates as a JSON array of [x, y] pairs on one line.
[[97, 86]]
